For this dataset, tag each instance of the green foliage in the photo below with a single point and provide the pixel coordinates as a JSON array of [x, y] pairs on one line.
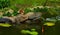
[[53, 12], [32, 32], [27, 10], [27, 3], [15, 13], [14, 8], [0, 16], [7, 14], [37, 9], [57, 9], [4, 3], [41, 9]]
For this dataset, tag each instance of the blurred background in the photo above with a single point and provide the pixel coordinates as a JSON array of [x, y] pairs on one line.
[[49, 21]]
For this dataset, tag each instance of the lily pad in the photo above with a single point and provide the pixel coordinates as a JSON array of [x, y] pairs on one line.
[[49, 23], [5, 25], [25, 31]]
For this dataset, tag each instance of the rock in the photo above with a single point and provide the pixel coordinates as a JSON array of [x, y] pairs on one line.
[[20, 18], [5, 20], [23, 17], [28, 21], [11, 18], [35, 16], [29, 16]]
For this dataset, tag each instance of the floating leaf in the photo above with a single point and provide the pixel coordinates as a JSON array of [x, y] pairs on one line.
[[49, 24], [34, 33], [5, 25], [25, 31]]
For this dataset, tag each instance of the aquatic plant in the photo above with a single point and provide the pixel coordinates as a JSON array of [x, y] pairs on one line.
[[32, 32], [49, 23], [5, 24]]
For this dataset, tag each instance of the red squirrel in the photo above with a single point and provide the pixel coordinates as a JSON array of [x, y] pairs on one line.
[[21, 11]]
